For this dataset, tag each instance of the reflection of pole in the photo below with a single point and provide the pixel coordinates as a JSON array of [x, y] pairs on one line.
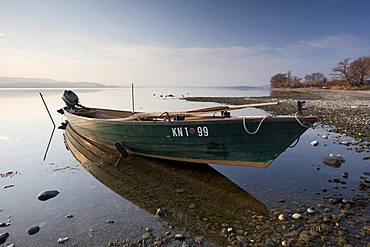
[[47, 148], [52, 133], [132, 97]]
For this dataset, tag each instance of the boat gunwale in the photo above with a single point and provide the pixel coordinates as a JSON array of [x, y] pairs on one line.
[[204, 119]]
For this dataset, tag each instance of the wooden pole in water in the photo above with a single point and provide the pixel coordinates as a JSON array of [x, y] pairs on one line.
[[132, 97]]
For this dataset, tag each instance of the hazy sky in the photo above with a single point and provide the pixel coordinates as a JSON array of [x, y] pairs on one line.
[[179, 43]]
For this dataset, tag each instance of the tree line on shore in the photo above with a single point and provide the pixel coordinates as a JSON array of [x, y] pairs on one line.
[[344, 74]]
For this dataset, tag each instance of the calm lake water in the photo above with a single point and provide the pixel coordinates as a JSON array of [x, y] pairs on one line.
[[25, 129]]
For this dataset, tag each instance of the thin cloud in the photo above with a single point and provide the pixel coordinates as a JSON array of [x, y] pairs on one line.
[[43, 5], [343, 44], [263, 19], [10, 32], [169, 55]]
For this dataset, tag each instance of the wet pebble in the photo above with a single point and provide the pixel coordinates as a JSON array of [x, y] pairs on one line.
[[33, 230], [180, 191], [69, 216], [314, 143], [305, 236], [285, 243], [46, 195], [310, 210], [63, 240], [281, 217], [179, 236], [296, 216], [159, 212], [146, 235]]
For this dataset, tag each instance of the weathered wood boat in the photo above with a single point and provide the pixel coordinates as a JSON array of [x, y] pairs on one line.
[[191, 135]]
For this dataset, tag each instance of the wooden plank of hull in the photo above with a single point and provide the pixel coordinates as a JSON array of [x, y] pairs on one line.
[[222, 141]]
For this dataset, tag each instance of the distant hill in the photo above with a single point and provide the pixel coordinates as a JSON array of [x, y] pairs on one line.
[[15, 82]]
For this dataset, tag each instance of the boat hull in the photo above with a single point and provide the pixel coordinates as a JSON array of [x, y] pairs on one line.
[[214, 141]]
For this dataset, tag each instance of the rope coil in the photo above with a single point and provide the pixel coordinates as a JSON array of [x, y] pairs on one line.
[[258, 127]]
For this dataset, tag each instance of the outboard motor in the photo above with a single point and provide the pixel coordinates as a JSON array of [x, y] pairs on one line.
[[70, 98]]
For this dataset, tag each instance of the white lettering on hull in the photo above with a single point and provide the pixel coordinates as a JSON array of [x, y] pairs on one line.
[[200, 131]]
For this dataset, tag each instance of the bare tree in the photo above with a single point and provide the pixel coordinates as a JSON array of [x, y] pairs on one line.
[[316, 79], [341, 71], [295, 82], [358, 70]]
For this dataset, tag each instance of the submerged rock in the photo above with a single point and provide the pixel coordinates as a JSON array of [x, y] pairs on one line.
[[334, 161], [8, 186], [3, 237], [5, 224], [33, 230], [46, 195]]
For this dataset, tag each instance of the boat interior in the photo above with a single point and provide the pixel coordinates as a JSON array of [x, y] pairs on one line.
[[164, 116]]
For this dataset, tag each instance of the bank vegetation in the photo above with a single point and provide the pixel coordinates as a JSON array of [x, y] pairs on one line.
[[345, 75]]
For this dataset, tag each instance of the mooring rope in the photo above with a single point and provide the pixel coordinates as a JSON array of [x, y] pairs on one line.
[[258, 127], [302, 124]]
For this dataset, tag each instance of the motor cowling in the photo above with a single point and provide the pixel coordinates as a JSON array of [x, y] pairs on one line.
[[70, 98]]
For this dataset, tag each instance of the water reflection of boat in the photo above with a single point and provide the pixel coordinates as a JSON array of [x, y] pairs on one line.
[[194, 197], [190, 135]]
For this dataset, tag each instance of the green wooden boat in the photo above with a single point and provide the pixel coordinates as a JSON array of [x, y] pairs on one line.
[[200, 135]]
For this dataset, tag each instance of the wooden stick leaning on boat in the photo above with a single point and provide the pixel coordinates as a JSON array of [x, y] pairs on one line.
[[198, 111]]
